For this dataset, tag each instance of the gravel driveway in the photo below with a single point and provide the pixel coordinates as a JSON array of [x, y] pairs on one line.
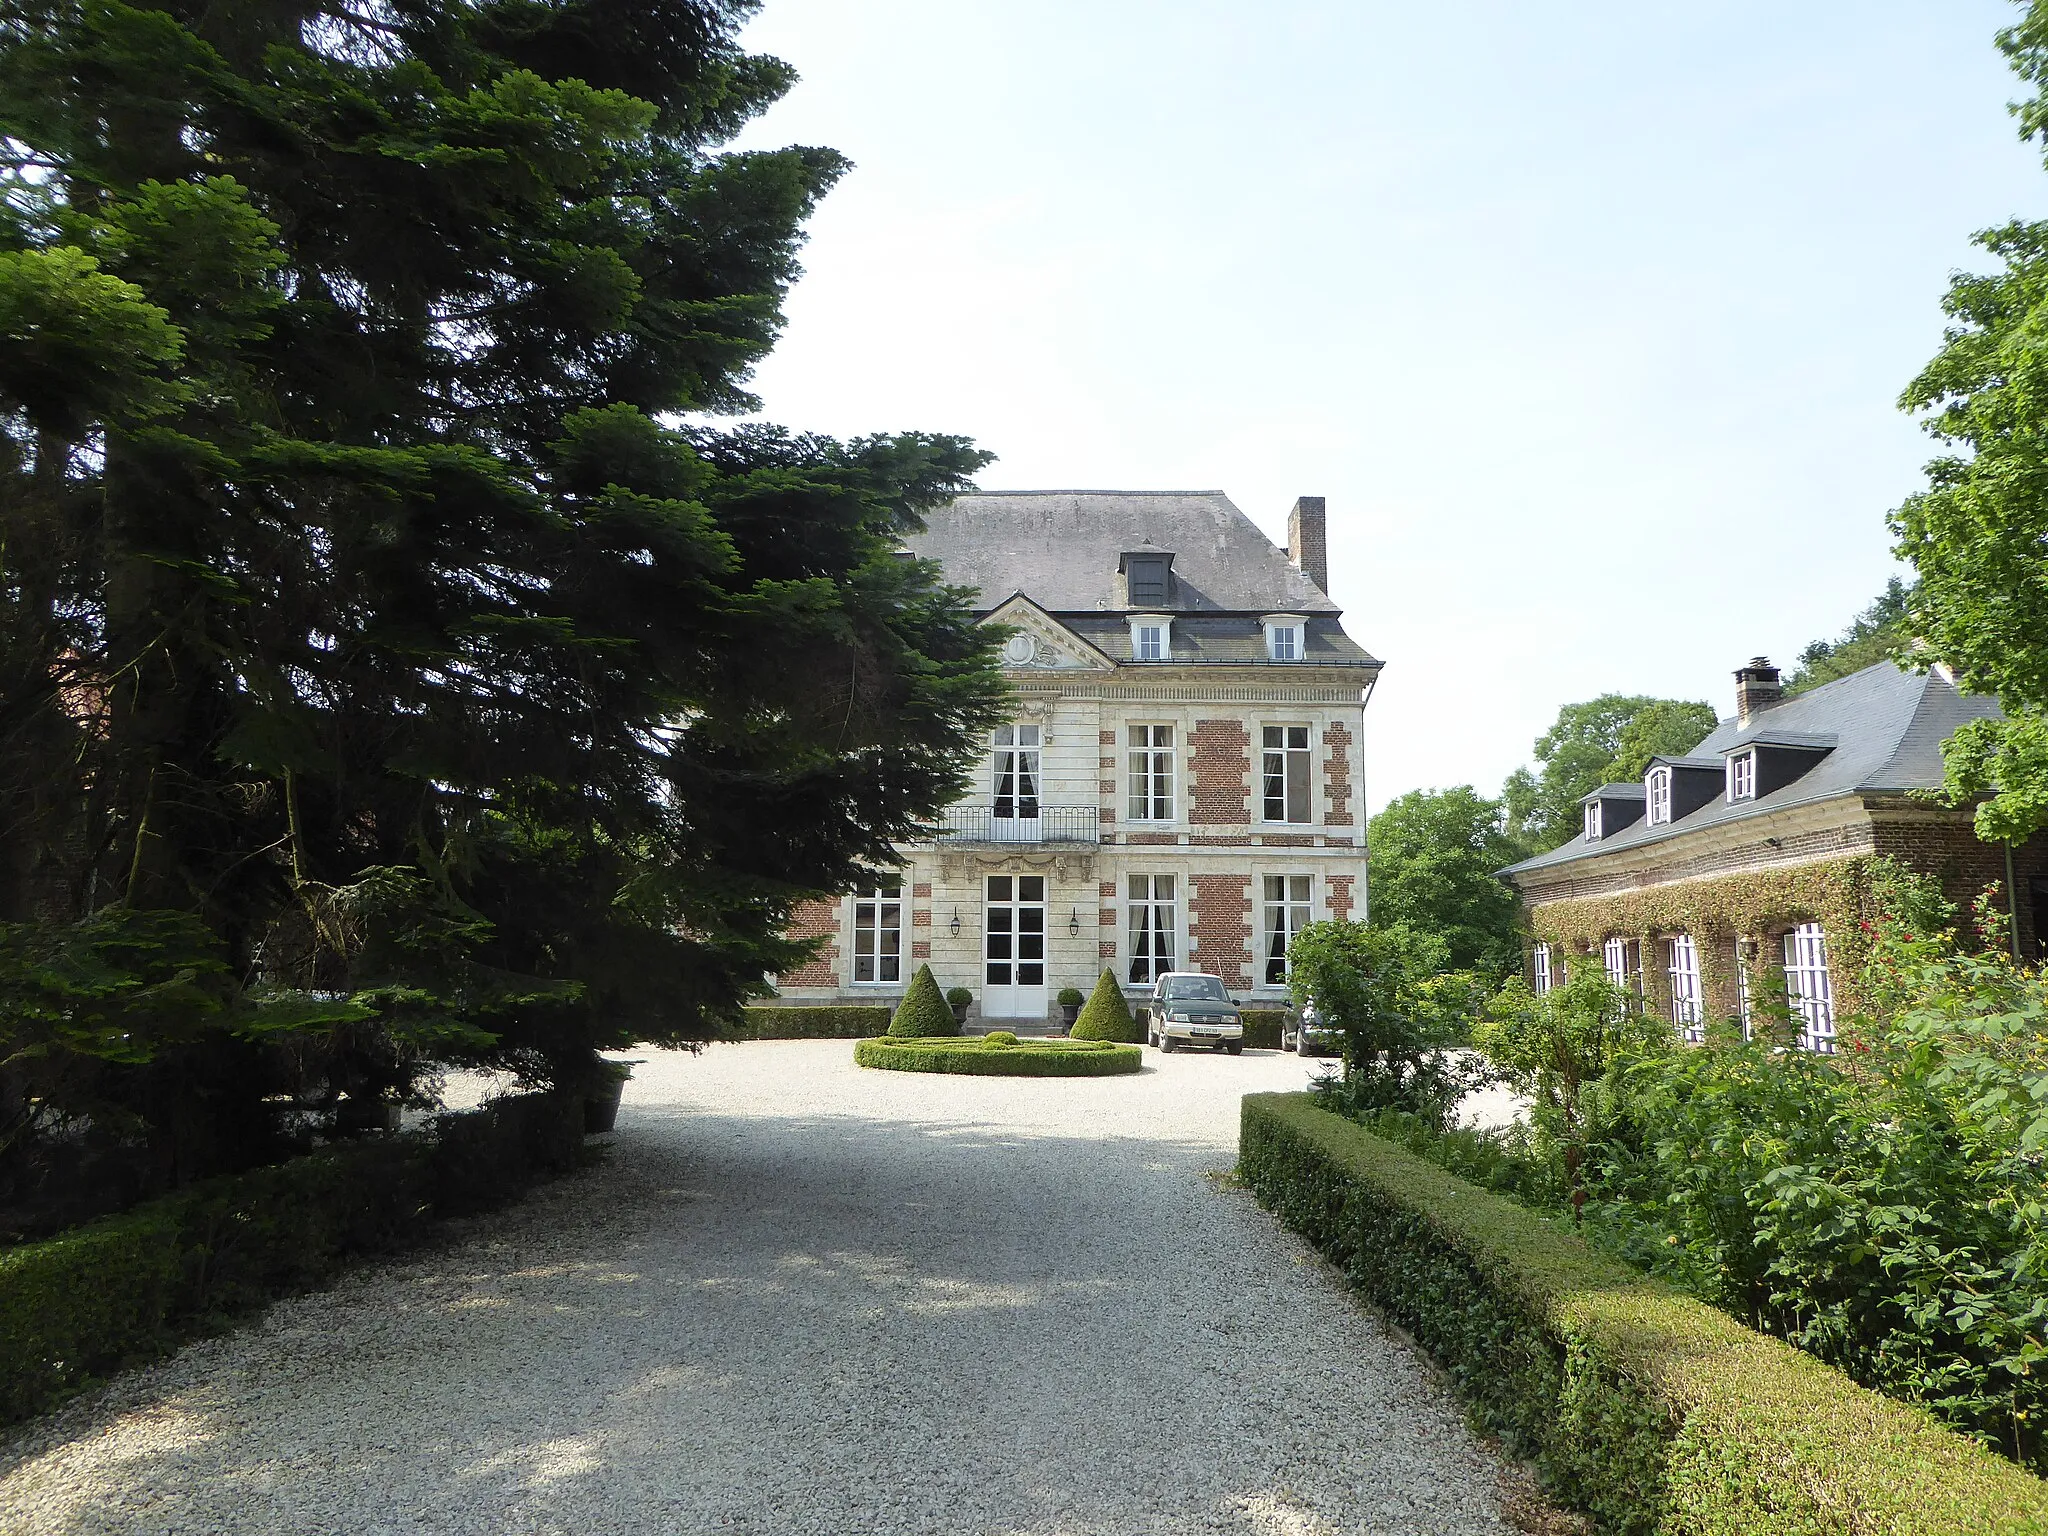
[[802, 1297]]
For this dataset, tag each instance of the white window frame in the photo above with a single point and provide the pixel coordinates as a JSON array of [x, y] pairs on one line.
[[1141, 623], [1592, 821], [1142, 918], [1657, 794], [1294, 908], [1742, 775], [1151, 762], [1286, 632], [1743, 1004], [1808, 987], [1287, 754], [1614, 957], [1539, 969], [879, 900], [1016, 752], [1688, 1011]]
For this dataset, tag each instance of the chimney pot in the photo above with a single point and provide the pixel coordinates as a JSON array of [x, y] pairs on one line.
[[1307, 542], [1756, 688]]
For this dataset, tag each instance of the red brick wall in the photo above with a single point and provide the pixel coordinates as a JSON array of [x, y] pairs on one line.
[[1337, 775], [814, 920], [1220, 927], [1953, 854], [1219, 774], [1340, 896]]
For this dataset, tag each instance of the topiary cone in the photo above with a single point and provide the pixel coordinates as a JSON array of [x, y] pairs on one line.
[[923, 1010], [1105, 1016]]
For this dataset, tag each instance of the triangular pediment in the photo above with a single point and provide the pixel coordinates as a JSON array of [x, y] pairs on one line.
[[1053, 647]]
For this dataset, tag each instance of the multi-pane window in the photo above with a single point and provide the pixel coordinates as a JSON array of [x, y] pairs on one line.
[[1539, 968], [1153, 911], [1016, 773], [1623, 961], [1658, 788], [1286, 772], [1742, 775], [878, 934], [1151, 789], [1148, 642], [1287, 904], [1687, 1013], [1807, 987], [1592, 820], [1284, 641]]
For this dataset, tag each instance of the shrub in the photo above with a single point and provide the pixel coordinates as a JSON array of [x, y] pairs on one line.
[[998, 1037], [133, 1285], [959, 997], [1646, 1409], [1262, 1028], [923, 1013], [1024, 1058], [1106, 1016], [834, 1023], [1070, 997]]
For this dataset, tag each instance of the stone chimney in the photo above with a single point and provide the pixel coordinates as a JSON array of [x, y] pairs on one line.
[[1756, 688], [1307, 546]]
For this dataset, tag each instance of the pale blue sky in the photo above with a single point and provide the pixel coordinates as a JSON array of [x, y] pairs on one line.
[[1587, 319]]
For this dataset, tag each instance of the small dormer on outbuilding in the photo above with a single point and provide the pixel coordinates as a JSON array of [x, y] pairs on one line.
[[1675, 787], [1762, 762], [1610, 808], [1148, 576]]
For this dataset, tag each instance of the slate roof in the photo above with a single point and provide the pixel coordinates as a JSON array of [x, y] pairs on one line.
[[1886, 725], [1060, 548], [1223, 639]]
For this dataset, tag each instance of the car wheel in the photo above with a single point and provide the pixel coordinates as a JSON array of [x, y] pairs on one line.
[[1235, 1047], [1166, 1043]]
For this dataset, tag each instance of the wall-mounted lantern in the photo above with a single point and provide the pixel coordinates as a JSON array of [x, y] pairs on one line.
[[1074, 924], [954, 926]]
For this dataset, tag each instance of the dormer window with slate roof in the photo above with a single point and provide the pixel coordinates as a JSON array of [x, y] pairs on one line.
[[1151, 637], [1592, 821], [1742, 775], [1657, 793], [1284, 636], [1148, 575]]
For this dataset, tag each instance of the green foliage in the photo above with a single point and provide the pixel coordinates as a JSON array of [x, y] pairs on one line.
[[1262, 1028], [1608, 740], [1434, 854], [335, 352], [1640, 1407], [923, 1012], [960, 997], [850, 1022], [998, 1037], [1106, 1016], [133, 1285], [987, 1056], [1070, 997], [1881, 632]]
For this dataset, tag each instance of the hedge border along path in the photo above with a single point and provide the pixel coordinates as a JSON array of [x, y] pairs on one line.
[[852, 1021], [1648, 1410], [131, 1287], [973, 1055]]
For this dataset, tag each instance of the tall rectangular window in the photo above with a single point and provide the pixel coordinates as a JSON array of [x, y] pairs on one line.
[[1592, 820], [1807, 987], [1742, 775], [1623, 960], [1151, 787], [1016, 773], [1155, 926], [878, 934], [1287, 904], [1539, 968], [1742, 999], [1658, 788], [1286, 773], [1687, 1014]]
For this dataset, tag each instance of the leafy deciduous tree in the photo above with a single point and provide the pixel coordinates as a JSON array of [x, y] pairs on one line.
[[1434, 853], [1610, 739]]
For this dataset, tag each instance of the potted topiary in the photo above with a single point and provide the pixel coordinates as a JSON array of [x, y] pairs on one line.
[[602, 1090], [1107, 1016], [959, 999], [923, 1011], [1070, 1001]]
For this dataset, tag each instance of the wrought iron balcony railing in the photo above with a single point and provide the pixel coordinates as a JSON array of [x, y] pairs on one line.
[[1052, 824]]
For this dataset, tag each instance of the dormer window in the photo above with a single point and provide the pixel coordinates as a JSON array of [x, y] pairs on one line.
[[1151, 637], [1742, 775], [1284, 637], [1657, 790], [1148, 574], [1593, 821]]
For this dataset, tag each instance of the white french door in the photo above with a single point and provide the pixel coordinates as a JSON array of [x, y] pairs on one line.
[[1016, 784], [1013, 948]]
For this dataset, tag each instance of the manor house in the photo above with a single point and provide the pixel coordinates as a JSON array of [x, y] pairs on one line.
[[1178, 784]]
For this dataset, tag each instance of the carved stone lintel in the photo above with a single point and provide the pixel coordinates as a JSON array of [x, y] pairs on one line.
[[1066, 866]]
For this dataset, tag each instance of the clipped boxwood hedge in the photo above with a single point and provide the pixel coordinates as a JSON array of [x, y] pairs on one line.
[[1262, 1028], [131, 1286], [980, 1056], [1648, 1410], [852, 1022]]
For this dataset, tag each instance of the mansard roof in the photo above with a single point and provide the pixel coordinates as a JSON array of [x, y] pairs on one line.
[[1874, 732], [1062, 549]]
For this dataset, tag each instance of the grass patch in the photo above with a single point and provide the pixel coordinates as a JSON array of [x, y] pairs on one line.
[[990, 1056]]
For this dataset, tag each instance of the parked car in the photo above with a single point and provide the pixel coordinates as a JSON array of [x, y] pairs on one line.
[[1193, 1008], [1303, 1032]]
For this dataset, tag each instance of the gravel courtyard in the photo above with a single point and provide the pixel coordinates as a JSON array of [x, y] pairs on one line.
[[801, 1297]]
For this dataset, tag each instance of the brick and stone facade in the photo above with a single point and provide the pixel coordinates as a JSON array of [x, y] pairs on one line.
[[1107, 883]]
